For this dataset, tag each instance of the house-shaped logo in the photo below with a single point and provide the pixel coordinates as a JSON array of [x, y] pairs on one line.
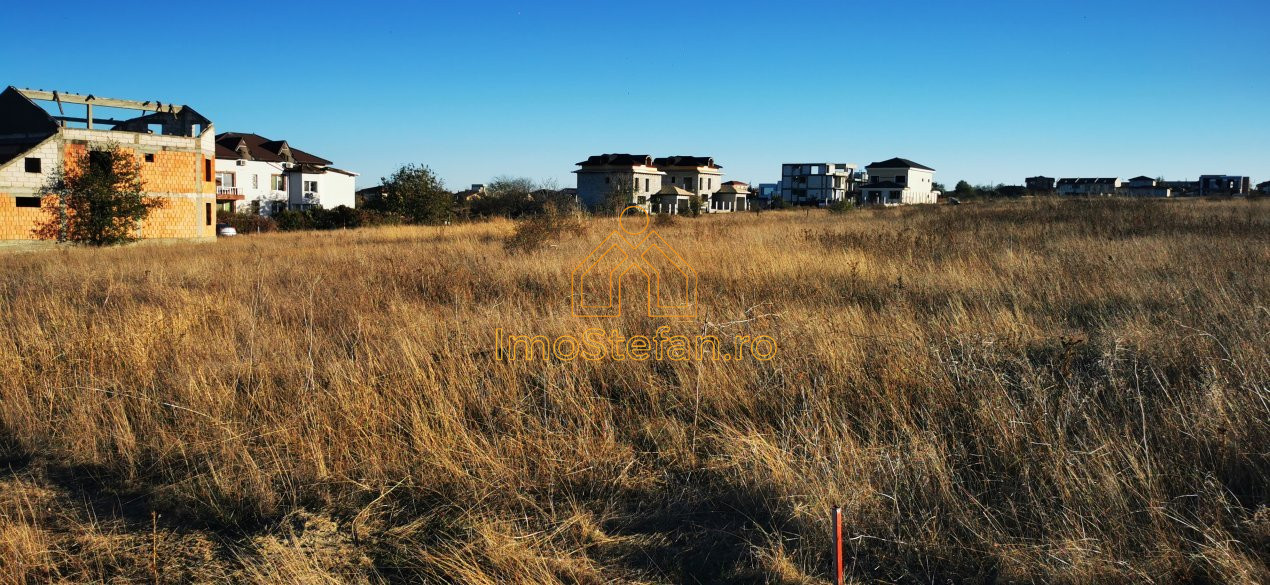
[[633, 248]]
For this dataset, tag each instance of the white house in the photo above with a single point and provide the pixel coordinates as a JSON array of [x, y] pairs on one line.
[[899, 181], [632, 177], [265, 176], [731, 196], [816, 183]]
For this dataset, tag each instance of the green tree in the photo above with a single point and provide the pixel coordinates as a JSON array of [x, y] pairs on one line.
[[97, 199], [417, 194], [963, 190]]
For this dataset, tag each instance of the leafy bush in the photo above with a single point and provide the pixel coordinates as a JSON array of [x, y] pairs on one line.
[[841, 206], [530, 234], [247, 223]]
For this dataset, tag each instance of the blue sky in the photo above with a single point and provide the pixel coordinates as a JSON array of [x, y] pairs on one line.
[[982, 91]]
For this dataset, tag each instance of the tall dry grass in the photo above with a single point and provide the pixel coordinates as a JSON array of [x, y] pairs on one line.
[[1043, 391]]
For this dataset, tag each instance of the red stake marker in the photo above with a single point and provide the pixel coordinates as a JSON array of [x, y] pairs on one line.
[[837, 545]]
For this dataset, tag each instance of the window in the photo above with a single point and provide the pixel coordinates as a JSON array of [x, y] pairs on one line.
[[27, 201], [32, 165], [207, 169], [278, 182], [255, 181], [900, 179], [149, 157], [645, 184], [310, 186], [209, 213], [710, 183], [224, 179]]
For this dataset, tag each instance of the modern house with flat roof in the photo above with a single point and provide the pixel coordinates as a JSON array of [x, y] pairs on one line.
[[173, 144], [899, 181], [816, 183], [1224, 185], [258, 175]]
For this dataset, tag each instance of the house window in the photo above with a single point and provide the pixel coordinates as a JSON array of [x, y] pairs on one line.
[[32, 165], [149, 157], [279, 182], [710, 183], [900, 179], [645, 184], [27, 201], [207, 170], [255, 181], [310, 186], [224, 179], [208, 212]]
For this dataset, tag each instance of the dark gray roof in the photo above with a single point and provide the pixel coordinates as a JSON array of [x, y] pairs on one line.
[[685, 161], [261, 148], [617, 159], [898, 163]]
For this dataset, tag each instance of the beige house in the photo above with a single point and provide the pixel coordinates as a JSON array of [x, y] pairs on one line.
[[698, 175], [899, 181], [731, 196], [633, 178], [670, 199]]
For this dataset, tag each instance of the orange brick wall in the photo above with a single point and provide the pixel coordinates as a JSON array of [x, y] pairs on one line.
[[16, 222], [176, 178]]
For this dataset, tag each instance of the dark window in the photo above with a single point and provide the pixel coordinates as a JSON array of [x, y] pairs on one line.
[[32, 165], [645, 184], [149, 157], [209, 214], [606, 180], [900, 179], [207, 171], [28, 201]]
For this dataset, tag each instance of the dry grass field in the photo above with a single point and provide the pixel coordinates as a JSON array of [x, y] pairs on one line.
[[1035, 391]]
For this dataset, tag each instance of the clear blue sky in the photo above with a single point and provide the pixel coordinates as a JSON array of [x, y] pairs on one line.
[[982, 91]]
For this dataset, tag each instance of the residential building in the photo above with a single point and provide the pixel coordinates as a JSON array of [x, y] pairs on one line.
[[1144, 186], [1182, 188], [816, 183], [255, 174], [698, 175], [731, 196], [1264, 188], [476, 192], [898, 181], [669, 199], [173, 144], [632, 178], [767, 191], [1224, 185], [1039, 184], [1088, 186]]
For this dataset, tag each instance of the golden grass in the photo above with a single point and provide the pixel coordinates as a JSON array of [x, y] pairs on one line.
[[1048, 391]]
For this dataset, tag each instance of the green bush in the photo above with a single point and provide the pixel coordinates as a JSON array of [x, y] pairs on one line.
[[247, 223]]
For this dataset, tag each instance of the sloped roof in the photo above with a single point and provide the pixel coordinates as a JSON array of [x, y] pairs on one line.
[[685, 161], [27, 122], [898, 163], [617, 160], [1142, 178], [671, 190], [262, 149], [734, 187]]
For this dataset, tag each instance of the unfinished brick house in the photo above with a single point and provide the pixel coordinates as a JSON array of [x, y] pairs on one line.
[[175, 145]]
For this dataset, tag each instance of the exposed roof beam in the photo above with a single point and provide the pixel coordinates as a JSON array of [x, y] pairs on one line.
[[75, 98]]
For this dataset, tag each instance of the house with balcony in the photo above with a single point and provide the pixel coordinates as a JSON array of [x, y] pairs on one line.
[[698, 175], [817, 183], [258, 175], [898, 181]]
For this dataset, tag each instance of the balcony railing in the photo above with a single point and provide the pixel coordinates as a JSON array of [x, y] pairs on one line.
[[228, 191]]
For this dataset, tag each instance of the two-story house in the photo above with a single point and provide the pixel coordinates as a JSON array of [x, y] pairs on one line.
[[698, 175], [1096, 186], [265, 176], [898, 181], [610, 178]]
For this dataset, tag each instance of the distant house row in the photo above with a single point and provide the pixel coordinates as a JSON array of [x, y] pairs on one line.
[[667, 185], [1143, 186]]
